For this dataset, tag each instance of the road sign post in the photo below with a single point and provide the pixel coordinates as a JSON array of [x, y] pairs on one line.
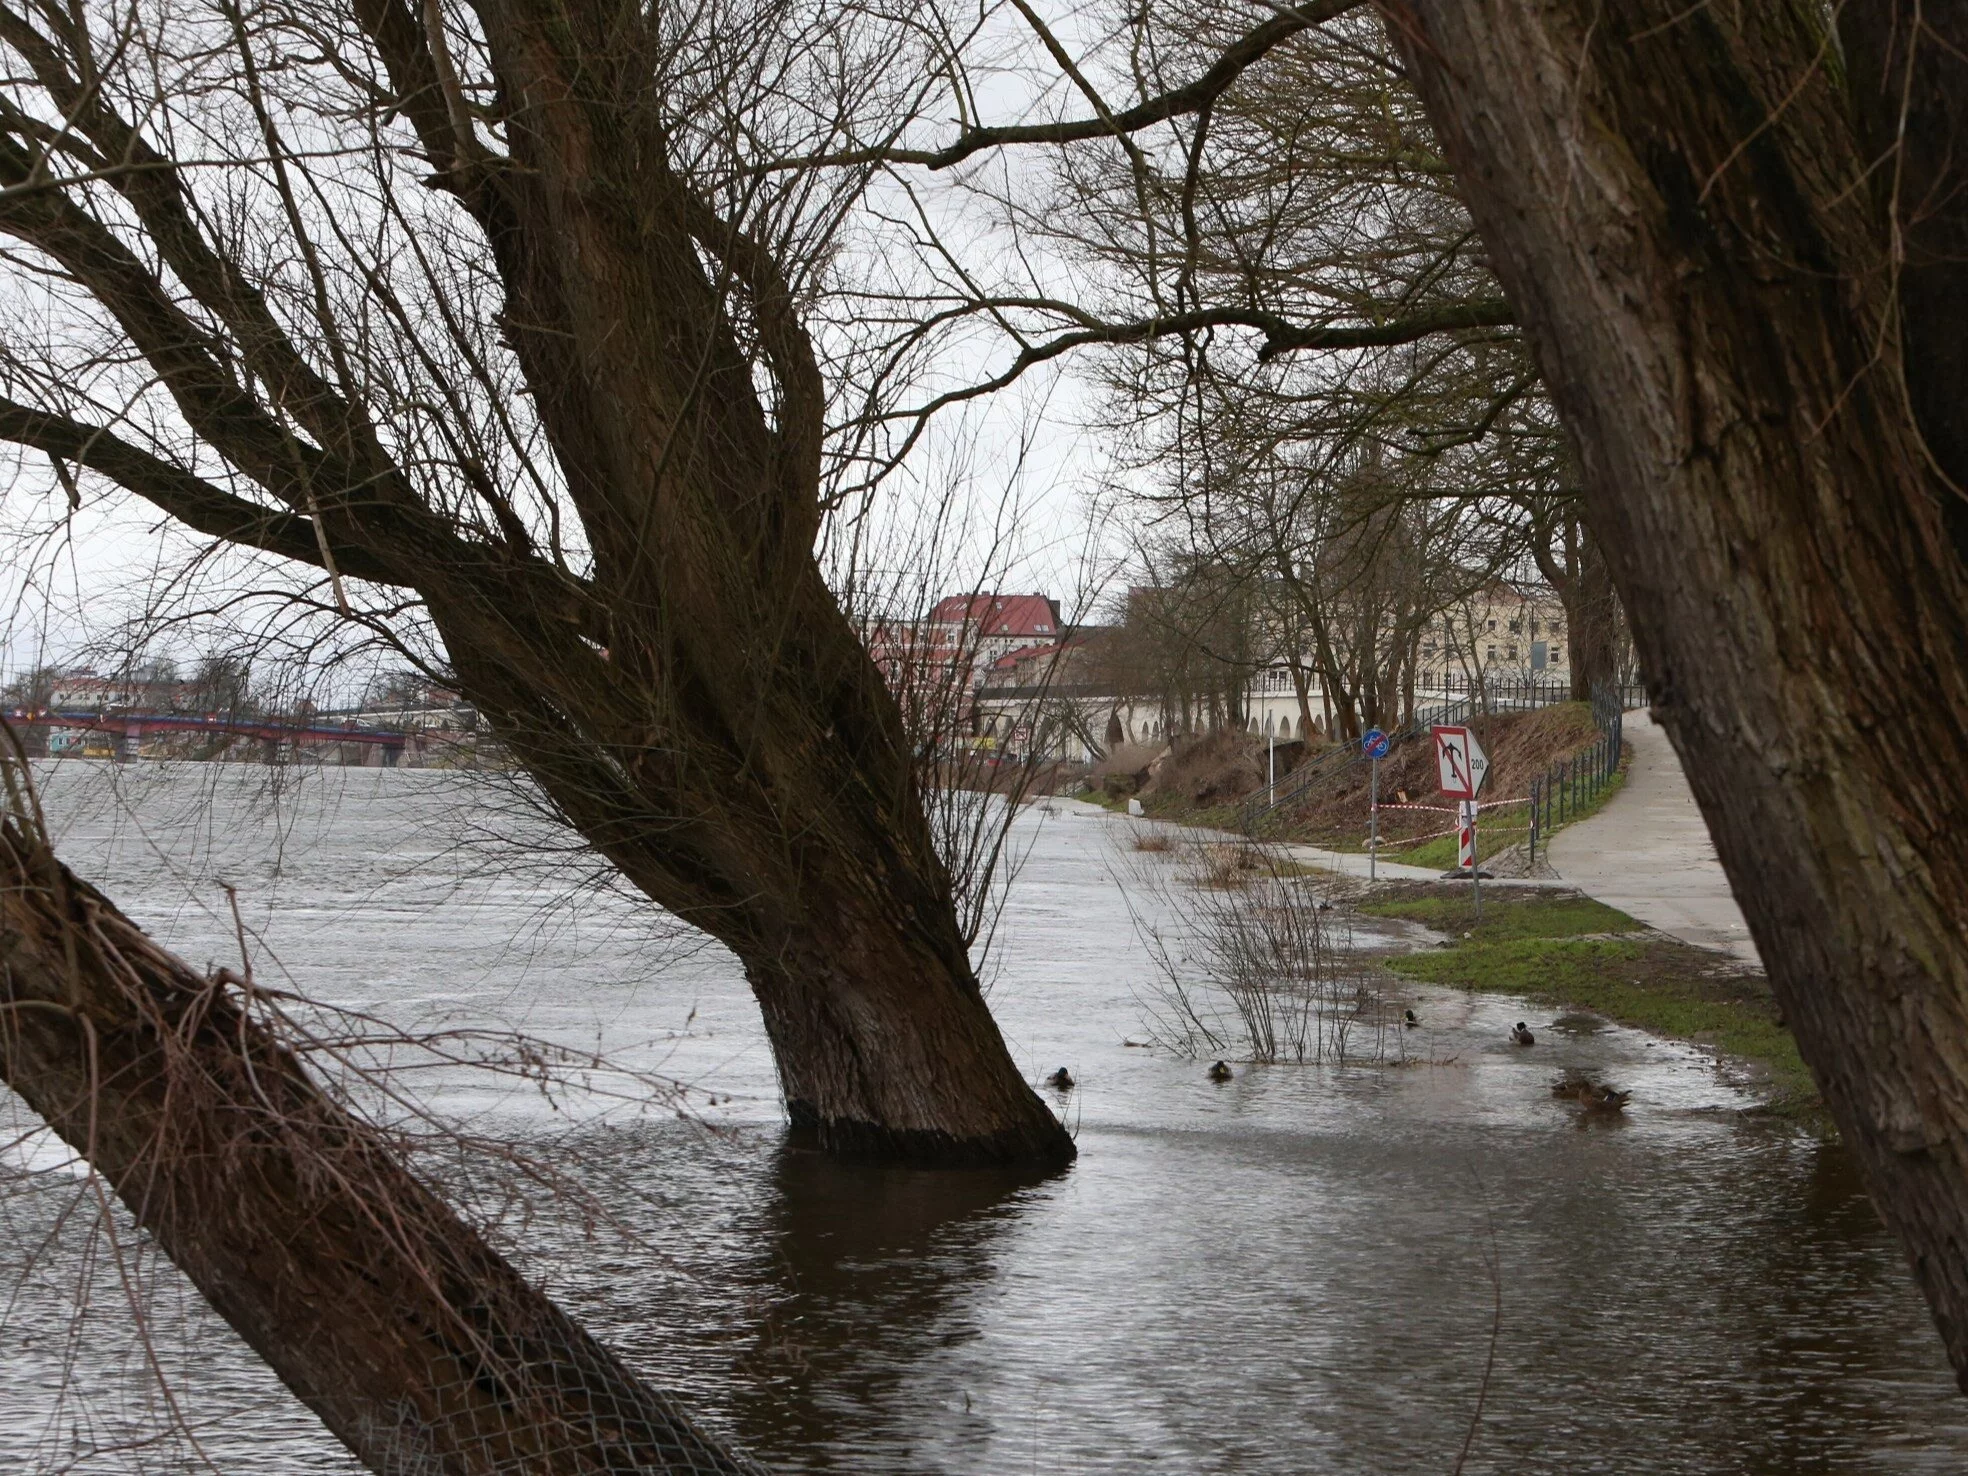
[[1461, 766], [1466, 852], [1373, 825], [1373, 743]]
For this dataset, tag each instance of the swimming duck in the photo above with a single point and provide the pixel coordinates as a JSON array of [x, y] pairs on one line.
[[1593, 1096], [1522, 1035], [1061, 1080], [1220, 1071], [1410, 1019]]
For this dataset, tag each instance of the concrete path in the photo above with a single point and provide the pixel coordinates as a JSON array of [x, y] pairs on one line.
[[1354, 864], [1648, 852]]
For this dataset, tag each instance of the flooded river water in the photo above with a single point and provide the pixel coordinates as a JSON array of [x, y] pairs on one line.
[[1299, 1271]]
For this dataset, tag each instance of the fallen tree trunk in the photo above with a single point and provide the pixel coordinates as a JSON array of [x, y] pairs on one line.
[[416, 1343]]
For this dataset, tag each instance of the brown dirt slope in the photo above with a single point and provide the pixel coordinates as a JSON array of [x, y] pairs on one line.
[[1520, 746], [1215, 770]]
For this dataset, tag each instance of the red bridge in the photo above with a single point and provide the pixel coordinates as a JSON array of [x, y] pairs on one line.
[[130, 728]]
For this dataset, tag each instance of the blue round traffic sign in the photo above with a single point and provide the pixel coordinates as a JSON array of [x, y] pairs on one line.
[[1373, 743]]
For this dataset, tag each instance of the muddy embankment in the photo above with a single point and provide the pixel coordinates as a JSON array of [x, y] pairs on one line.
[[1201, 781]]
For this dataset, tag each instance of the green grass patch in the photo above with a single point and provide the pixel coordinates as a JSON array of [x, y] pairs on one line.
[[1180, 811], [1588, 808], [1506, 912], [1551, 948], [1515, 912], [1441, 852]]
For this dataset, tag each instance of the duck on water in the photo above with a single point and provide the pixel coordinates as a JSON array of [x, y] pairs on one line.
[[1593, 1096]]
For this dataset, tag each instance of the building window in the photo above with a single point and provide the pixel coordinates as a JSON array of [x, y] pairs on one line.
[[1513, 650], [1557, 656], [1493, 625], [1516, 626], [1493, 653]]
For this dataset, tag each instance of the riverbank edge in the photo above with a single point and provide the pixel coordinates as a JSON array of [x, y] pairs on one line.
[[1560, 949], [1697, 996], [1438, 852]]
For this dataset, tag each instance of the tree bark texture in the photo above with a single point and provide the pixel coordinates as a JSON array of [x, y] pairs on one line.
[[1678, 201], [416, 1343], [697, 704]]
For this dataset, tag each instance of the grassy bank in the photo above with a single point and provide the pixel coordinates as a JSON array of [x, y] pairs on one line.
[[1562, 949], [1173, 809], [1178, 810]]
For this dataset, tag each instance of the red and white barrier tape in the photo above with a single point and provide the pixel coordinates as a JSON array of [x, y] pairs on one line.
[[1457, 808]]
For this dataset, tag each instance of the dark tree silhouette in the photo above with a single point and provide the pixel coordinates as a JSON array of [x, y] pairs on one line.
[[479, 314]]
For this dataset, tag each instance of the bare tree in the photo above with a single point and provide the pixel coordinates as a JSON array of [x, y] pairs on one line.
[[1307, 194], [479, 314]]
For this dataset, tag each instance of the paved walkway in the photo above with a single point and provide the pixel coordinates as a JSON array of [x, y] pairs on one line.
[[1648, 852], [1354, 864]]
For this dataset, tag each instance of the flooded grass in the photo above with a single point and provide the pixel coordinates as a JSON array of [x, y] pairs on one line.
[[1507, 914], [1567, 950]]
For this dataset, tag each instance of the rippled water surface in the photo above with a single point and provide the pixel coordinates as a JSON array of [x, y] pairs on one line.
[[1289, 1273]]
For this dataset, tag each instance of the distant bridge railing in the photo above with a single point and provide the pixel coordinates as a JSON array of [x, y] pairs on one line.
[[272, 729]]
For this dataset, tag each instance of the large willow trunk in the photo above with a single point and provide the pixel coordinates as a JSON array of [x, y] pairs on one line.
[[685, 687], [416, 1343], [731, 744], [1682, 205]]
